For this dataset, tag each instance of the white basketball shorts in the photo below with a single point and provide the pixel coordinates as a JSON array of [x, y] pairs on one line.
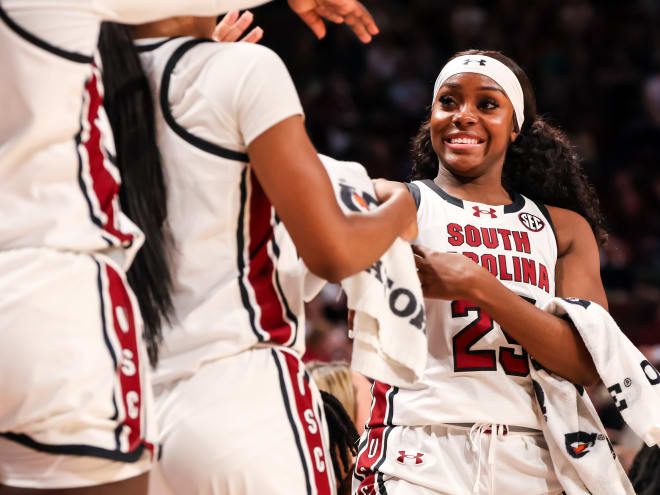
[[248, 424], [453, 460], [74, 377]]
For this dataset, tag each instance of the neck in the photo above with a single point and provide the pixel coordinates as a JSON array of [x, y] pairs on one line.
[[486, 188]]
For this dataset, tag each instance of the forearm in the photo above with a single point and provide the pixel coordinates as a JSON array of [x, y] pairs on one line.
[[368, 235], [550, 340]]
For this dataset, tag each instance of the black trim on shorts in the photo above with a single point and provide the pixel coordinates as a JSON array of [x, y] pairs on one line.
[[240, 247], [75, 449], [414, 192], [183, 133], [285, 396], [106, 337], [31, 38], [546, 214], [152, 46]]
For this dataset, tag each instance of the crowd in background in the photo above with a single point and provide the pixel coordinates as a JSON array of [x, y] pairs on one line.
[[595, 67]]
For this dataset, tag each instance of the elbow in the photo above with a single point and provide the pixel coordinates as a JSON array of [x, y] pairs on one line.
[[333, 265], [330, 270]]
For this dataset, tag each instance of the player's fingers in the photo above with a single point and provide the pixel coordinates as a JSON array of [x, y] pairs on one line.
[[367, 19], [239, 27], [421, 251], [254, 36], [359, 27], [351, 318], [339, 7], [224, 25], [330, 15], [314, 22]]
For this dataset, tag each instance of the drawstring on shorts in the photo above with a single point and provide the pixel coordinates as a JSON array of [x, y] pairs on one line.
[[497, 433]]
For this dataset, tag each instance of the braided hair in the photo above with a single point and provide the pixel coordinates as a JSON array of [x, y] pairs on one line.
[[343, 439], [143, 196], [540, 164]]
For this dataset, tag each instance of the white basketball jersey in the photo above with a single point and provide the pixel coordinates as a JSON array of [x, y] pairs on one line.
[[475, 372], [58, 182], [234, 285]]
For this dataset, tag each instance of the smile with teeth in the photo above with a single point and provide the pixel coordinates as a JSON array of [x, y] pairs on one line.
[[463, 140]]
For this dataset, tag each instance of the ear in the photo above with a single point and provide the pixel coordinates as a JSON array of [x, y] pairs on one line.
[[514, 133]]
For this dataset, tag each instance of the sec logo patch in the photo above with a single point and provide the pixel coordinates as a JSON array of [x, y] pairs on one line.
[[531, 222]]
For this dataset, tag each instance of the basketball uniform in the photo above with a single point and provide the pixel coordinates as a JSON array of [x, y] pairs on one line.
[[470, 425], [236, 409], [75, 408]]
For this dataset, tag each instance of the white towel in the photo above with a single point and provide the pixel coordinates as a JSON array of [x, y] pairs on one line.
[[581, 452], [390, 343]]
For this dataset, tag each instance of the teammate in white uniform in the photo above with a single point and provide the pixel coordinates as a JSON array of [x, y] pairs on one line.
[[237, 411], [472, 426], [75, 406]]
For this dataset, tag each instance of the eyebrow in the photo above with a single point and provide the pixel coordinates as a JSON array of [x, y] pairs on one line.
[[482, 88]]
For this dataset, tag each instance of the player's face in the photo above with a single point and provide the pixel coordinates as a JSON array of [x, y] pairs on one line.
[[471, 124]]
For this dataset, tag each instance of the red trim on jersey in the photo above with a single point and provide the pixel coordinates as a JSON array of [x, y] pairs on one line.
[[313, 439], [261, 269], [104, 185], [128, 361]]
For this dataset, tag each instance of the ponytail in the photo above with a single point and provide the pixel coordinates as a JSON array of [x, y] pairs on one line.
[[143, 197]]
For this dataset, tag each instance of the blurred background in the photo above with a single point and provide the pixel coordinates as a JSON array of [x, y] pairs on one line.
[[595, 67]]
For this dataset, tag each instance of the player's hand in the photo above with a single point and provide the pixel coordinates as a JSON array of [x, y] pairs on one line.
[[446, 275], [351, 318], [232, 27], [350, 12]]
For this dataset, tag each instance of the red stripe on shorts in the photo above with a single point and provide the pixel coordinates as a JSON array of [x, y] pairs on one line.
[[105, 186], [261, 268], [376, 426], [128, 361], [311, 423]]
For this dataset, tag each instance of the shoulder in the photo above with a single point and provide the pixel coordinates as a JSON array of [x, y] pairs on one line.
[[234, 59], [572, 229]]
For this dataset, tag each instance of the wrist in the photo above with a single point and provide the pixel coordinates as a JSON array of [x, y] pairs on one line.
[[478, 285]]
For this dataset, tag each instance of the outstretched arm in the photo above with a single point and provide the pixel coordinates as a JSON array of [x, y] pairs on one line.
[[552, 341], [332, 245]]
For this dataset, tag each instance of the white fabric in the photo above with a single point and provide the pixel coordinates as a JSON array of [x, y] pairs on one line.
[[24, 467], [457, 461], [225, 94], [227, 430], [73, 369], [490, 67], [458, 384], [581, 452], [50, 195], [389, 327]]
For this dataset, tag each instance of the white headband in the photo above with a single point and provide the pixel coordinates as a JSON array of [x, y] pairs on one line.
[[492, 68]]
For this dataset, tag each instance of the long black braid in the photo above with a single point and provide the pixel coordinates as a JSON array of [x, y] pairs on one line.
[[143, 194], [343, 438]]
